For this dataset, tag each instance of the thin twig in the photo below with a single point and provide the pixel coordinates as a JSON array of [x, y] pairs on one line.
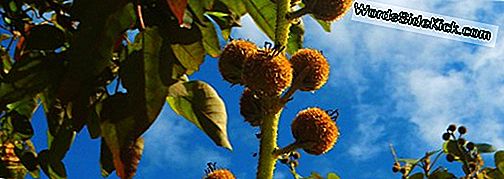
[[298, 81]]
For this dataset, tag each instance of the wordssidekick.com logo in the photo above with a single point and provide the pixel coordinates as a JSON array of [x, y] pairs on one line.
[[425, 23]]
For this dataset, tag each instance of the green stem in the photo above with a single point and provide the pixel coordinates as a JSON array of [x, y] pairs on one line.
[[282, 23], [269, 127], [269, 132]]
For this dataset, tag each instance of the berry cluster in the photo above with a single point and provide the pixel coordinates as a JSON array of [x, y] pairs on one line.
[[290, 159], [459, 149]]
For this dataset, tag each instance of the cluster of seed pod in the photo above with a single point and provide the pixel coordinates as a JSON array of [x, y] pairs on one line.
[[10, 166], [466, 151]]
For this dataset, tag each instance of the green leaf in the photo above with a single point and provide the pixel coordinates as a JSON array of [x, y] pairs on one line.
[[106, 159], [62, 141], [92, 47], [410, 161], [324, 24], [494, 174], [224, 16], [31, 75], [190, 56], [418, 175], [209, 39], [485, 148], [236, 7], [295, 41], [314, 175], [44, 37], [199, 103], [332, 176], [264, 15], [441, 173], [451, 147], [54, 169], [499, 160], [93, 122]]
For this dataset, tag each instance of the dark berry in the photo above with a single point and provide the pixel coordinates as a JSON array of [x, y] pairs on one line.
[[403, 170], [452, 128], [450, 158], [294, 163], [461, 141], [284, 160], [470, 146], [446, 136], [462, 130]]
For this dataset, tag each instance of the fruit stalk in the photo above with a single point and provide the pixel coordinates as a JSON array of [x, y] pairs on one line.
[[269, 132], [269, 127]]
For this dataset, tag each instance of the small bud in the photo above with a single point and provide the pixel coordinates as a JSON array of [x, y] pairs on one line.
[[452, 128], [462, 130], [296, 155], [395, 168], [450, 158], [284, 160], [403, 170], [294, 163], [470, 146], [446, 136]]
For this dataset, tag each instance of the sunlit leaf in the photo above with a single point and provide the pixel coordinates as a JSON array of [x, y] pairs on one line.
[[264, 15], [190, 56], [324, 24], [237, 7], [332, 176], [199, 103], [451, 147], [209, 39], [295, 41]]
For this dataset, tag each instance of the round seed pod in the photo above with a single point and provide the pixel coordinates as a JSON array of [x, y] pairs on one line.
[[232, 58], [251, 107], [315, 127], [318, 74], [328, 10], [267, 72], [220, 174]]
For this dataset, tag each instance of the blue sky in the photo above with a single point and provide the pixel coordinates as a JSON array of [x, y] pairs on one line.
[[391, 86]]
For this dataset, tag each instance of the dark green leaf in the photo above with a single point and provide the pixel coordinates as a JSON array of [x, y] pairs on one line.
[[264, 14], [199, 103], [190, 56], [92, 48], [295, 41], [493, 174], [441, 173], [236, 7], [62, 142], [29, 76], [485, 148], [106, 159], [44, 37], [54, 169], [93, 123], [499, 160], [416, 176], [451, 147]]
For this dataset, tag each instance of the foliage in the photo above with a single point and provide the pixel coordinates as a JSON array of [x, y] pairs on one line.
[[456, 149], [66, 54]]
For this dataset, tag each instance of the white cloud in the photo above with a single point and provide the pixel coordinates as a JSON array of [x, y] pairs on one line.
[[169, 142], [431, 81]]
